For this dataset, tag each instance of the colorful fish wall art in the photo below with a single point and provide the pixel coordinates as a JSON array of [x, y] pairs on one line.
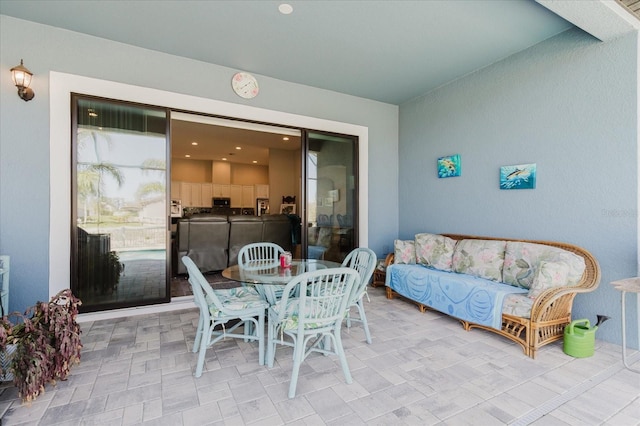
[[449, 166], [521, 176]]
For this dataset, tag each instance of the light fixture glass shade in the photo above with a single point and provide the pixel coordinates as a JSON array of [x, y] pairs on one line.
[[21, 75]]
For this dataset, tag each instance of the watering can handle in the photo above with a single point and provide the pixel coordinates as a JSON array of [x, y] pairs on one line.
[[578, 322]]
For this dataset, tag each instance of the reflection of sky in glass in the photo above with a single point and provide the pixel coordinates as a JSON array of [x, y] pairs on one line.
[[126, 151]]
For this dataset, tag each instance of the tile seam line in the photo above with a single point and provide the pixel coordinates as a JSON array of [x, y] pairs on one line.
[[565, 397]]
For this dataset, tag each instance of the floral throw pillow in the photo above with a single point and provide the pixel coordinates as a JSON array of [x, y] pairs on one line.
[[548, 275], [480, 258], [404, 251], [435, 251], [521, 261]]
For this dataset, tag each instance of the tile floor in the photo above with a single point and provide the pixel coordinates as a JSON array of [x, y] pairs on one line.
[[422, 369]]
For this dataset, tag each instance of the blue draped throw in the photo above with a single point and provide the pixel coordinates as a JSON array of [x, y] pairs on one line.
[[466, 297]]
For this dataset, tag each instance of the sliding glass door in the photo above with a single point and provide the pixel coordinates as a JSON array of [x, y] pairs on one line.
[[119, 204], [331, 195]]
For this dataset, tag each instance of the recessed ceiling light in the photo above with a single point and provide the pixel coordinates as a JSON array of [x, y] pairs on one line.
[[285, 138], [255, 161], [285, 9], [238, 147], [194, 143], [188, 156], [224, 158]]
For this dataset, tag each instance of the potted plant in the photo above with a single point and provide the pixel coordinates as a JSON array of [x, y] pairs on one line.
[[47, 343]]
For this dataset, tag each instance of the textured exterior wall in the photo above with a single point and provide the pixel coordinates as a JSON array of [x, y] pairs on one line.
[[569, 105], [25, 132]]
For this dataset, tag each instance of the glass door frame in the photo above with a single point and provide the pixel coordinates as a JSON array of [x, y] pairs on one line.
[[304, 212], [63, 85], [75, 97]]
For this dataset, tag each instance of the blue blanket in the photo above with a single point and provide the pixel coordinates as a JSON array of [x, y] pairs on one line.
[[462, 296]]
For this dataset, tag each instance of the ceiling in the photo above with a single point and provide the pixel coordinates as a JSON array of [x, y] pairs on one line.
[[217, 139], [387, 51]]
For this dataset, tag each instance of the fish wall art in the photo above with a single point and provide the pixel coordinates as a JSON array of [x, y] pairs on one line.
[[521, 176], [449, 166]]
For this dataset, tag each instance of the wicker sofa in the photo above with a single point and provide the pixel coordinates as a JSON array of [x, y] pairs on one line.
[[533, 313]]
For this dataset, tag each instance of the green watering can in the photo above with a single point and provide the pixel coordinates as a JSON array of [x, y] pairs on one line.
[[580, 337]]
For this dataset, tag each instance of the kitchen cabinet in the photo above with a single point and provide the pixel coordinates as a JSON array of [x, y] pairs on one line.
[[221, 190], [248, 197], [207, 194], [262, 191], [236, 196], [185, 194], [175, 190], [196, 195]]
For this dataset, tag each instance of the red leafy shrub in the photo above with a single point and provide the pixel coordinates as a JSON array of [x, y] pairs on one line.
[[47, 340]]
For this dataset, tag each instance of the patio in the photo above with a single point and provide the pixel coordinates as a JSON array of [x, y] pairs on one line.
[[421, 369]]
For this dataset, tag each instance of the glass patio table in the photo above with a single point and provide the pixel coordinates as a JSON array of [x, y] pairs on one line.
[[269, 276]]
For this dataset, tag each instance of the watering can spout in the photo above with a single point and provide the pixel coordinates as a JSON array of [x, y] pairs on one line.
[[601, 319]]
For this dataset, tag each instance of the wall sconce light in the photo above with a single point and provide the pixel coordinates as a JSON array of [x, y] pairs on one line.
[[21, 77]]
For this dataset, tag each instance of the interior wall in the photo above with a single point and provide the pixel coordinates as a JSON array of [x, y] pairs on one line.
[[198, 171], [284, 177], [567, 104], [247, 174], [26, 200]]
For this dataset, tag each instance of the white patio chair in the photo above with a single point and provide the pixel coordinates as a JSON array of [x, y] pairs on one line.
[[303, 322], [218, 307], [264, 254], [363, 260]]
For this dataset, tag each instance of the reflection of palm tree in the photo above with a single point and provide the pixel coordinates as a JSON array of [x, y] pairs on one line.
[[154, 164], [147, 189], [89, 181], [89, 178]]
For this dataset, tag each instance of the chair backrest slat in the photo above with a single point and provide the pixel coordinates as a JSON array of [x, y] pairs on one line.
[[263, 251], [202, 291], [363, 260], [323, 297]]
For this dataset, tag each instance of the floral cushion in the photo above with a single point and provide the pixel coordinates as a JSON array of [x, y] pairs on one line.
[[522, 259], [404, 251], [480, 258], [236, 299], [435, 251], [518, 305], [548, 275], [292, 318]]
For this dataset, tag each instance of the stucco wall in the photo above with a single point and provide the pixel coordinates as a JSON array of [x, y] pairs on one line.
[[569, 105], [25, 131]]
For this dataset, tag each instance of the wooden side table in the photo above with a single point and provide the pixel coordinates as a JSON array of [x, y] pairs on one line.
[[380, 275]]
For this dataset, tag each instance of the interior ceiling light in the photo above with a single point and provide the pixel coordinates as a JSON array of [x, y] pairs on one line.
[[255, 162], [285, 9], [92, 112], [238, 147], [194, 143], [285, 138], [224, 158], [188, 156]]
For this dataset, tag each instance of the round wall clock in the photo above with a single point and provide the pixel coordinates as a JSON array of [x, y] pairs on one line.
[[245, 85]]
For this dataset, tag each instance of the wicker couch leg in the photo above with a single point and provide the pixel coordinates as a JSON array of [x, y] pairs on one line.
[[389, 293]]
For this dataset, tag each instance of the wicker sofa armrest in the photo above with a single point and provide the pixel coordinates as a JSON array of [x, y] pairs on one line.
[[556, 302]]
